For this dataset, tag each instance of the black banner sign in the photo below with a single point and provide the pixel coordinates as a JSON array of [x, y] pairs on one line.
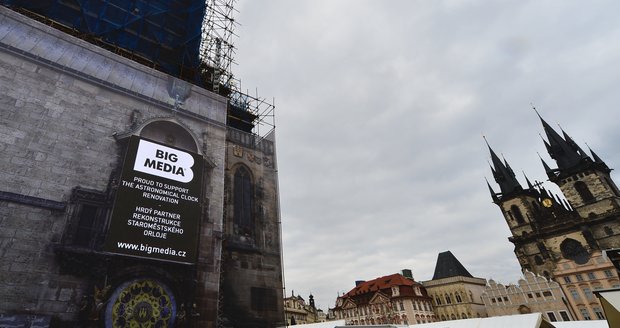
[[157, 207]]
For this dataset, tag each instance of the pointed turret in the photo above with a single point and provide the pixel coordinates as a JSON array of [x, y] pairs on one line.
[[529, 184], [595, 156], [503, 174], [565, 152], [493, 193], [548, 170], [574, 145], [598, 160]]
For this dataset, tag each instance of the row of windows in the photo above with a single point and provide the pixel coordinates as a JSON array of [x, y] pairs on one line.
[[499, 299], [399, 320], [447, 298], [422, 306], [591, 276], [598, 312], [587, 292], [456, 316], [553, 318], [504, 299], [384, 308]]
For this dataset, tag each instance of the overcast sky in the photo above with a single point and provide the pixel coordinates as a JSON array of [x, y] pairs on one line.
[[380, 111]]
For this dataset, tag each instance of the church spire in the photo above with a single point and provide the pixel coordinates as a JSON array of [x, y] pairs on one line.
[[598, 160], [564, 150], [530, 186], [503, 174], [548, 170]]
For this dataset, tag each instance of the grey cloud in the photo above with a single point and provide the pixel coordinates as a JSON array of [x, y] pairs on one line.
[[381, 107]]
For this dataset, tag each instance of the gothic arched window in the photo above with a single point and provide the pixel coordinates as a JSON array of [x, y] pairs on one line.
[[516, 212], [243, 202], [583, 191]]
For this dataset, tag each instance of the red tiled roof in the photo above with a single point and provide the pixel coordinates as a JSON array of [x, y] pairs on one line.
[[365, 291], [380, 284]]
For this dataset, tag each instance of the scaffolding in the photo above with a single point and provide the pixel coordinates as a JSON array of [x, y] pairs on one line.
[[248, 113], [217, 49], [255, 113]]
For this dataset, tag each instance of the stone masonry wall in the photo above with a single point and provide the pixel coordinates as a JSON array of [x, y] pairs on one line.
[[62, 100]]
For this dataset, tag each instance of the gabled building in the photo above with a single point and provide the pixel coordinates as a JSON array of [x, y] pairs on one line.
[[533, 293], [456, 294], [548, 228], [393, 299]]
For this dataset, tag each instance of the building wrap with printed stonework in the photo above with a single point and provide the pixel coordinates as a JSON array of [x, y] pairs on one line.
[[132, 192]]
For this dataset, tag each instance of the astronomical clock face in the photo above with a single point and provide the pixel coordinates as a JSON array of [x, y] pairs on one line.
[[141, 303]]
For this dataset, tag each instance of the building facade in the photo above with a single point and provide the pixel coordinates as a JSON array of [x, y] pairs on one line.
[[128, 195], [580, 281], [455, 292], [298, 312], [393, 299], [532, 294], [547, 229]]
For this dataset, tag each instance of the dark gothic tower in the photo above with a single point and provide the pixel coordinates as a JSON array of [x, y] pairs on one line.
[[517, 204], [584, 180], [547, 228], [525, 211]]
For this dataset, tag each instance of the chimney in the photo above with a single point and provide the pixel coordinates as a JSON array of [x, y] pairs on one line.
[[359, 282]]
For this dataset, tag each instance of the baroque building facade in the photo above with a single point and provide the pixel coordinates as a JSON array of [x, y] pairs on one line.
[[455, 292], [580, 281], [547, 229], [393, 299], [533, 293], [129, 194]]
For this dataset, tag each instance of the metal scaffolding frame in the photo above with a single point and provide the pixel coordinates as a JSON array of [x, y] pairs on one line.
[[217, 52]]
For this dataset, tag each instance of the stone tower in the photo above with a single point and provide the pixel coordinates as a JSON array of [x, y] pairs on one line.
[[455, 292], [547, 228], [135, 189]]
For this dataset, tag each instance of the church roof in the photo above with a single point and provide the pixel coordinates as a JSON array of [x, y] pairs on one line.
[[448, 266]]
